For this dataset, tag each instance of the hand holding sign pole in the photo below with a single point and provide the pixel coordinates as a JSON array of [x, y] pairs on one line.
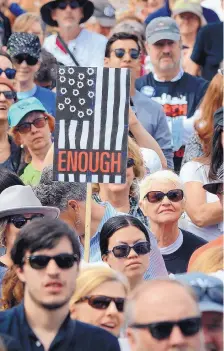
[[91, 128]]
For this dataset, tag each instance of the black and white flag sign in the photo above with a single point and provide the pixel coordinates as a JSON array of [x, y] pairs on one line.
[[91, 124]]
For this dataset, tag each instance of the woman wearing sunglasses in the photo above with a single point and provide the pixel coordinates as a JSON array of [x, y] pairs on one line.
[[125, 246], [124, 197], [31, 127], [6, 66], [162, 200]]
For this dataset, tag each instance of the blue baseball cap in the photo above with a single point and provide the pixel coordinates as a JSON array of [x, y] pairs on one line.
[[21, 108]]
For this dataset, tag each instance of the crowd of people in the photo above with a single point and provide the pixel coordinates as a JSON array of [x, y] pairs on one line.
[[154, 278]]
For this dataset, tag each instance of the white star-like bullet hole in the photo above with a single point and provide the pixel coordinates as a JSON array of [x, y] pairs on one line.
[[71, 81], [62, 79], [90, 82], [89, 112], [72, 108], [81, 76], [80, 85], [82, 101], [80, 114], [90, 71], [63, 91], [61, 71], [67, 101], [91, 94], [75, 92], [61, 107], [71, 70]]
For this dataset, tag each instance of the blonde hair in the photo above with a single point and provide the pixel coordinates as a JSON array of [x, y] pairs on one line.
[[92, 277], [209, 261], [138, 168], [159, 175], [25, 21], [3, 225]]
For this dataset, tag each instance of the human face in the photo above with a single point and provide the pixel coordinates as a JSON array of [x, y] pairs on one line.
[[188, 23], [110, 318], [68, 18], [126, 61], [4, 103], [166, 303], [165, 211], [50, 287], [36, 29], [37, 138], [165, 55], [25, 73], [212, 324], [134, 266]]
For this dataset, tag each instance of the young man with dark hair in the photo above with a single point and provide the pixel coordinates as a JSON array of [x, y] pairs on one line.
[[46, 256]]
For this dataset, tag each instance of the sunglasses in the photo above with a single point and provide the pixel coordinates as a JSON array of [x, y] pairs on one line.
[[215, 293], [101, 302], [30, 60], [24, 128], [9, 72], [130, 163], [134, 53], [19, 221], [175, 195], [162, 330], [9, 95], [121, 251], [63, 4], [63, 261]]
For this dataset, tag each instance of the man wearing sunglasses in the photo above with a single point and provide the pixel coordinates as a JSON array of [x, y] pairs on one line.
[[209, 291], [25, 49], [74, 45], [46, 256], [123, 51], [163, 315]]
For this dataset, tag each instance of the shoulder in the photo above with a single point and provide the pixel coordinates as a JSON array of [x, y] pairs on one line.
[[193, 238], [94, 37], [7, 318], [140, 82], [49, 40], [158, 13], [197, 81], [192, 171], [10, 343], [46, 92]]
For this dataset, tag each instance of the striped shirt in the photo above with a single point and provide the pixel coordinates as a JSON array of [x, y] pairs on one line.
[[156, 267]]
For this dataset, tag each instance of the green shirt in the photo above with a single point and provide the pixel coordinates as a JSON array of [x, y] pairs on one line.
[[30, 175]]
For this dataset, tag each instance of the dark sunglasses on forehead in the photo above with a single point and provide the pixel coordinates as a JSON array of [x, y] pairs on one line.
[[30, 60], [123, 250], [25, 127], [163, 330], [130, 162], [9, 95], [134, 53], [101, 302], [9, 72], [63, 4], [19, 221], [63, 260], [175, 195]]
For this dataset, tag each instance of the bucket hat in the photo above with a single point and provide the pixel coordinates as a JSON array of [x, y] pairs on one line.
[[46, 11], [182, 6], [19, 199]]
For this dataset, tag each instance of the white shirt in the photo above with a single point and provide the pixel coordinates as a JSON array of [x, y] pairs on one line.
[[88, 49], [197, 172]]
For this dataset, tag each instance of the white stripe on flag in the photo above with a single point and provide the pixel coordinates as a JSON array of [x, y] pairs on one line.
[[118, 179], [120, 131], [71, 178], [106, 179], [82, 178], [97, 110], [61, 177], [85, 134], [61, 137], [110, 108], [95, 178], [71, 134]]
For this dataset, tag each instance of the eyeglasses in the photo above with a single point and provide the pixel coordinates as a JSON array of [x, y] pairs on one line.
[[121, 251], [101, 302], [9, 72], [63, 261], [130, 163], [162, 330], [175, 195], [134, 53], [24, 128], [9, 95], [30, 60], [19, 221], [215, 293], [63, 4]]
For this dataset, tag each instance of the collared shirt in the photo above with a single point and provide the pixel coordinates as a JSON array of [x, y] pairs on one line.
[[88, 49], [156, 263], [72, 335]]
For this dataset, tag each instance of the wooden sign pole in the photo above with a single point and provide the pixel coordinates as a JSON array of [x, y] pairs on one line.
[[88, 222]]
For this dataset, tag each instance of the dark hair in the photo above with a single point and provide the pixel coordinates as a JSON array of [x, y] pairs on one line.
[[48, 69], [8, 178], [120, 36], [42, 234], [4, 54], [216, 153], [116, 223]]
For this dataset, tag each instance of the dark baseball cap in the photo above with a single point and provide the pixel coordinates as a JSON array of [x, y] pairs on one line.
[[162, 28], [24, 43]]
